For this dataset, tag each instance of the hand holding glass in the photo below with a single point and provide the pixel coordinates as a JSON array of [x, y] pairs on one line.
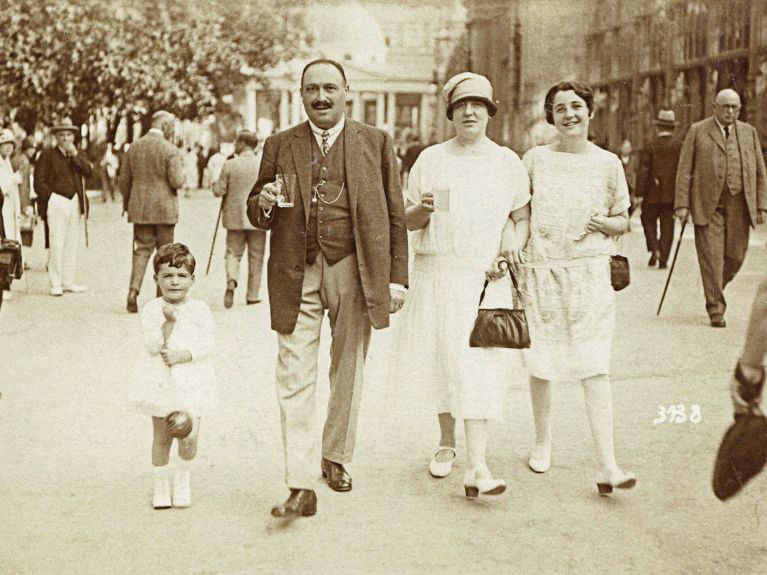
[[286, 194]]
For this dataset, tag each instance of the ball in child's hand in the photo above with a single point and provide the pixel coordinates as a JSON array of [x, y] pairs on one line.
[[178, 424]]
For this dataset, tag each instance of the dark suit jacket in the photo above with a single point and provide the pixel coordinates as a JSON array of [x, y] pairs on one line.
[[150, 176], [702, 164], [656, 180], [56, 174], [377, 213]]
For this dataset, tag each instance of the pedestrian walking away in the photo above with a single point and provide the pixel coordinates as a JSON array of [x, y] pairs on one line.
[[151, 175], [721, 182], [237, 178], [345, 230], [580, 205], [60, 172], [656, 180], [458, 237], [174, 381]]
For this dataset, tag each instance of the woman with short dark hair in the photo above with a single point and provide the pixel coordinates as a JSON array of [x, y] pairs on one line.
[[579, 206]]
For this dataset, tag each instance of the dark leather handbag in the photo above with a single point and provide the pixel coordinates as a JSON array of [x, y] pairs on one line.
[[620, 275], [743, 451], [501, 327]]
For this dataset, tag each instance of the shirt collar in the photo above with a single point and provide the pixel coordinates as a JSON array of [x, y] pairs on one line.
[[721, 126], [157, 131], [332, 132]]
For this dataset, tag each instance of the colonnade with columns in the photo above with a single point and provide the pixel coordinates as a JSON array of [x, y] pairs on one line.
[[290, 110]]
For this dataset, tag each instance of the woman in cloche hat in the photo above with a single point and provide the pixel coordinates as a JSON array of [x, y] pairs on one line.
[[467, 204]]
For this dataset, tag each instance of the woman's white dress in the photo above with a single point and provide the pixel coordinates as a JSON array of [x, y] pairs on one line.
[[571, 310], [11, 212], [452, 253], [157, 389]]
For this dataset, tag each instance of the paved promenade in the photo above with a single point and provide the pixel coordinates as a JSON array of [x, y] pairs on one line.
[[75, 475]]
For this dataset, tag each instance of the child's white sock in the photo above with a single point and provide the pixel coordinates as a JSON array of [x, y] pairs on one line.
[[161, 498], [182, 490]]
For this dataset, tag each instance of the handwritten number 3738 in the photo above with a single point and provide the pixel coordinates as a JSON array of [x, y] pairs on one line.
[[678, 414]]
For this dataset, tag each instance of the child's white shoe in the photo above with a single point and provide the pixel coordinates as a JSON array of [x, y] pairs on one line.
[[182, 491], [161, 498]]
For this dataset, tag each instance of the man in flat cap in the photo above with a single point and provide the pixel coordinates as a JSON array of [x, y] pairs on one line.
[[237, 178], [60, 174], [152, 174]]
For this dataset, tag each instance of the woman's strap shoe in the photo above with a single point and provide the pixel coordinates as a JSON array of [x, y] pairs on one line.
[[621, 480], [478, 481], [441, 469]]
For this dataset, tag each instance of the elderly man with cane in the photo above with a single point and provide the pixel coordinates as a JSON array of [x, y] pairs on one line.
[[722, 182]]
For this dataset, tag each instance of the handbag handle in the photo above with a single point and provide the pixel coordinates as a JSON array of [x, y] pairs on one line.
[[515, 293]]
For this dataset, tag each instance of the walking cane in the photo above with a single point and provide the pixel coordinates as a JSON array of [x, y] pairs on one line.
[[673, 263], [215, 232], [86, 210]]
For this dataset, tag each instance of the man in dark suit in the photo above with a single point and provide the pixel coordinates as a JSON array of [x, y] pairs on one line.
[[655, 187], [150, 177], [342, 246], [721, 181]]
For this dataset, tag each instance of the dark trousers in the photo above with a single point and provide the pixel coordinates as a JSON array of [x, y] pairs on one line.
[[721, 247], [650, 217], [146, 238]]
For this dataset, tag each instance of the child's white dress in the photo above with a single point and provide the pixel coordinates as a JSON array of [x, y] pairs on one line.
[[157, 389]]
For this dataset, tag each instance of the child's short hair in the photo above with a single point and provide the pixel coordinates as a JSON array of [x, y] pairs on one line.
[[175, 255]]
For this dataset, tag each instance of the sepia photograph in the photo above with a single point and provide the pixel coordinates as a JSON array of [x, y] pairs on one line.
[[383, 287]]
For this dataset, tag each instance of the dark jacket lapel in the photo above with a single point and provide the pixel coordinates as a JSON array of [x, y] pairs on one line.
[[352, 150], [715, 133], [301, 147]]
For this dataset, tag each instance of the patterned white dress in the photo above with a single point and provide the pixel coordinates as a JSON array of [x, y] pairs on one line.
[[452, 253], [570, 312], [157, 389]]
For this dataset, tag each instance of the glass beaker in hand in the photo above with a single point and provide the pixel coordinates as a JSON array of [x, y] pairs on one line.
[[286, 195], [441, 198]]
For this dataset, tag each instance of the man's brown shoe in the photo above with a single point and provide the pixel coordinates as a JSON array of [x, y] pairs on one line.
[[301, 503], [338, 478], [132, 305]]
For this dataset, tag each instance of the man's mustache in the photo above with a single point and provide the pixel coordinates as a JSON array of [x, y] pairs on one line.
[[322, 105]]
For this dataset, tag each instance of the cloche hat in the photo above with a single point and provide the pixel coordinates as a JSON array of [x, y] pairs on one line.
[[468, 85]]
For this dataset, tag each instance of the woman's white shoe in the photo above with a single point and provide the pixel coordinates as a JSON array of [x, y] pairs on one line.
[[441, 468], [479, 481], [618, 480], [540, 459]]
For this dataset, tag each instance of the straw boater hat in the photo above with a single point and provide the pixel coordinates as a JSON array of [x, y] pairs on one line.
[[666, 119], [468, 85], [65, 128]]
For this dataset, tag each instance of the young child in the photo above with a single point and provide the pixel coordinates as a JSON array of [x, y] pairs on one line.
[[174, 372]]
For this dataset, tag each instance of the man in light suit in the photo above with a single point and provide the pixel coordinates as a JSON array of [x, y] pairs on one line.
[[233, 185], [151, 175], [721, 182], [341, 247]]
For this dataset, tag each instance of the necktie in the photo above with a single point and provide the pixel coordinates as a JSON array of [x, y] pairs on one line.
[[726, 132], [325, 143]]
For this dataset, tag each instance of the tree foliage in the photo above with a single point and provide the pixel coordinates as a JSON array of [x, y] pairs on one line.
[[71, 57]]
